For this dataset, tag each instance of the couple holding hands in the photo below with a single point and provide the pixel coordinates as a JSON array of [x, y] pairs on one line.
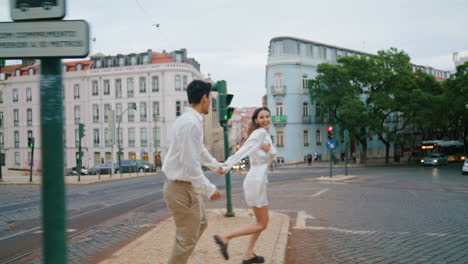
[[186, 183]]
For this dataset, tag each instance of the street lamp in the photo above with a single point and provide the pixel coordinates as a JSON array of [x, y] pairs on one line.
[[134, 107]]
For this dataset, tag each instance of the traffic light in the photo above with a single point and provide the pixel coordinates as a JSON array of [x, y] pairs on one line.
[[81, 130], [224, 100], [330, 132], [31, 142]]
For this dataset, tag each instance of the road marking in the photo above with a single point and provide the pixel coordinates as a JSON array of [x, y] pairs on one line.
[[320, 192], [302, 216], [360, 232]]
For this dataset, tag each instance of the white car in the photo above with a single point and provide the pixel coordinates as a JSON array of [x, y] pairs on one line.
[[465, 167]]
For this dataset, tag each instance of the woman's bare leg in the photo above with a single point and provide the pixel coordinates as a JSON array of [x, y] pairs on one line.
[[261, 215]]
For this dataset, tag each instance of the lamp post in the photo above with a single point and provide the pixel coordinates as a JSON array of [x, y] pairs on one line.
[[132, 106]]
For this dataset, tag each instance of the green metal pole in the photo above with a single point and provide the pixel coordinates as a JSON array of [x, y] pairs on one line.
[[53, 183], [229, 212], [78, 166], [331, 163], [32, 161], [346, 139]]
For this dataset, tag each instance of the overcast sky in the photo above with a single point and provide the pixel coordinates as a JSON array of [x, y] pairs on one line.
[[230, 38]]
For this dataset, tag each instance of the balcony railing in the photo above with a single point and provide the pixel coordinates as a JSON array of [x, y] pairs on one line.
[[306, 119], [278, 90]]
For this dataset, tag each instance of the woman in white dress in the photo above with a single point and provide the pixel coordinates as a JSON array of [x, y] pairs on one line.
[[261, 152]]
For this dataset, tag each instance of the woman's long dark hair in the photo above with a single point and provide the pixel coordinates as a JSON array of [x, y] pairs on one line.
[[254, 125]]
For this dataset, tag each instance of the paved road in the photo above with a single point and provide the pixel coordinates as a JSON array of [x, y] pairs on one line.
[[405, 214]]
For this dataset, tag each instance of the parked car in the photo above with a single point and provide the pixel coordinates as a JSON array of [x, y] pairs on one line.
[[132, 165], [72, 171], [435, 160], [103, 168], [465, 167]]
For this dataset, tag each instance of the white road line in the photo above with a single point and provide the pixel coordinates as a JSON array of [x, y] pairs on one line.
[[360, 232], [302, 216], [320, 192]]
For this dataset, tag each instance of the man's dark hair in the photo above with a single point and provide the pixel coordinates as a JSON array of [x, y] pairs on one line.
[[196, 90]]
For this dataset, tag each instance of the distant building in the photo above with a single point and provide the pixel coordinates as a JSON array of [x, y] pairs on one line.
[[238, 126], [460, 58], [296, 126], [93, 89]]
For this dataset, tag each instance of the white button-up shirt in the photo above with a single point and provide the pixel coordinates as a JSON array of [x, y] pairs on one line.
[[187, 153]]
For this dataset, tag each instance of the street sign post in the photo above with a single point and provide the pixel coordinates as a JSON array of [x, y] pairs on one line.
[[37, 9], [44, 39]]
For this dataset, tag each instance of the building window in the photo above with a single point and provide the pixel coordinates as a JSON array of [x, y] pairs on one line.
[[1, 119], [178, 108], [29, 116], [15, 117], [17, 158], [77, 114], [278, 80], [305, 81], [118, 88], [77, 137], [177, 83], [279, 138], [142, 85], [305, 109], [143, 115], [95, 87], [76, 91], [306, 137], [16, 139], [155, 84], [144, 136], [131, 137], [106, 87], [107, 109], [279, 108], [131, 113], [95, 113], [318, 137], [1, 97], [28, 94], [133, 60], [107, 137], [155, 111], [184, 82], [30, 134], [130, 87], [1, 140], [96, 137], [156, 136], [118, 111], [97, 158], [15, 95], [318, 113]]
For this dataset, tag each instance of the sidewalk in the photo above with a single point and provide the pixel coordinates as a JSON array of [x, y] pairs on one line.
[[155, 246], [341, 164], [84, 179]]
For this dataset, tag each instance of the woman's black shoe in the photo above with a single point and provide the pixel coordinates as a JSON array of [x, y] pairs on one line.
[[223, 247], [255, 259]]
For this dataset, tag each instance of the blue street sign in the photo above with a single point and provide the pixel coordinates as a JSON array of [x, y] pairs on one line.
[[331, 144]]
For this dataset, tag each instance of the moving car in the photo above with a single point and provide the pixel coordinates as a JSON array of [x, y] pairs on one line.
[[435, 160], [132, 165], [103, 168], [465, 167]]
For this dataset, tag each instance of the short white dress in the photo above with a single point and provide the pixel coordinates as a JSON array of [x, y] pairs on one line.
[[255, 183]]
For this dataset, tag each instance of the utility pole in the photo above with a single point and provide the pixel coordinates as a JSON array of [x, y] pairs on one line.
[[81, 134], [31, 145]]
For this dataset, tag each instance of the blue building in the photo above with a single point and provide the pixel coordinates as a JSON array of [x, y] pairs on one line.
[[296, 127]]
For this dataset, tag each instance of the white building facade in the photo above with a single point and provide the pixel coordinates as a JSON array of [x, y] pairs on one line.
[[93, 90]]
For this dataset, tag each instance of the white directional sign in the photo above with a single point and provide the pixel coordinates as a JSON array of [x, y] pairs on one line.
[[40, 39], [37, 9]]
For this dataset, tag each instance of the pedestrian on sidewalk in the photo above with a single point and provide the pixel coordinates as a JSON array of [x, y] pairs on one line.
[[186, 183], [261, 152]]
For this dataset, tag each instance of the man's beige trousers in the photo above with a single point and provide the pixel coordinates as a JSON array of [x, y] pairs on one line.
[[188, 211]]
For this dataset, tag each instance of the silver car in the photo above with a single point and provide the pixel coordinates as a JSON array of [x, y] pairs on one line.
[[465, 167], [435, 160]]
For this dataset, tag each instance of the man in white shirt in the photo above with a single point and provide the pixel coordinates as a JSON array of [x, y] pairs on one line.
[[186, 183]]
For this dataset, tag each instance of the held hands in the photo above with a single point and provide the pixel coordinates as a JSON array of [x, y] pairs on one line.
[[266, 147], [216, 195], [221, 170]]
